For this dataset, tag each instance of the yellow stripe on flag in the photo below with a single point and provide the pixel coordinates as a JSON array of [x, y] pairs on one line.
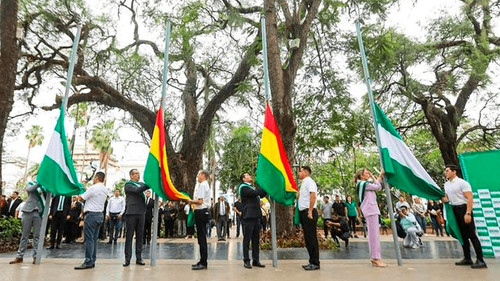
[[270, 150]]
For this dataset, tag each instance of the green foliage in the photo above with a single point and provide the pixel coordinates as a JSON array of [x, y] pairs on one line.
[[120, 184], [9, 228], [35, 136], [240, 155]]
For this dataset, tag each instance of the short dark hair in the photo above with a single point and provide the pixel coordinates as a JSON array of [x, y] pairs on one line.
[[205, 173], [307, 168], [243, 175], [327, 197], [132, 171], [100, 176], [16, 192], [453, 167]]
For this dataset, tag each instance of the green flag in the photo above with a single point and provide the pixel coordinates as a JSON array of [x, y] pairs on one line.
[[57, 173]]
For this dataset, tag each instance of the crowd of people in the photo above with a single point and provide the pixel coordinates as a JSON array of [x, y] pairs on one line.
[[94, 215]]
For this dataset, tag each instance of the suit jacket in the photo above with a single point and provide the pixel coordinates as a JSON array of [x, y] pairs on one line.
[[74, 213], [55, 203], [217, 210], [32, 203], [149, 208], [12, 210], [135, 203], [369, 205], [250, 201]]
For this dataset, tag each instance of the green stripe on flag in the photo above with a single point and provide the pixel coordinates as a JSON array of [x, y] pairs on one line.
[[273, 182], [152, 176], [385, 122]]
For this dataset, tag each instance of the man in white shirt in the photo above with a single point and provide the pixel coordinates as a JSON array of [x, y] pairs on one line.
[[309, 216], [201, 200], [459, 194], [94, 197], [114, 213]]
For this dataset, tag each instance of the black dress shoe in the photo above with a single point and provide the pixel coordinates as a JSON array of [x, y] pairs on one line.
[[199, 267], [140, 262], [464, 262], [110, 242], [126, 263], [246, 264], [479, 264], [258, 264], [50, 247], [311, 267], [84, 266]]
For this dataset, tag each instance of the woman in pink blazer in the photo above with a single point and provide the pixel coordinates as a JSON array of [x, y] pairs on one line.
[[367, 185]]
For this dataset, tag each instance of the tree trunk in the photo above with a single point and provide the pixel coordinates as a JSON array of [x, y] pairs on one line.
[[8, 66]]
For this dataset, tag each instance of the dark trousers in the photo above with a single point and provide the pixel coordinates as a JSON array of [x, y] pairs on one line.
[[201, 219], [238, 224], [468, 231], [71, 230], [310, 235], [352, 224], [169, 228], [251, 231], [115, 225], [222, 226], [135, 224], [57, 227], [147, 229]]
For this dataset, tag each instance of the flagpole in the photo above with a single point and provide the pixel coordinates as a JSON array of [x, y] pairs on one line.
[[266, 88], [372, 111], [163, 96], [48, 198]]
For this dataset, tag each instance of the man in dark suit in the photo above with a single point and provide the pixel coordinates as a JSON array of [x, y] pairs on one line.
[[74, 217], [59, 210], [221, 214], [135, 210], [251, 215], [150, 204], [13, 203]]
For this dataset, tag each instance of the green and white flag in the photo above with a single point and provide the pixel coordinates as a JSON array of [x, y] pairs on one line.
[[57, 173], [401, 167]]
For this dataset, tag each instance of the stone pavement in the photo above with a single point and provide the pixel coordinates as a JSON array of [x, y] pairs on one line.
[[435, 261]]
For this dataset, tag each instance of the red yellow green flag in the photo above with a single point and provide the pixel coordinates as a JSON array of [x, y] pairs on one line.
[[156, 174], [274, 174]]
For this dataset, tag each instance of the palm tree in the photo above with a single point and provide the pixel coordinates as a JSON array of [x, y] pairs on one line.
[[102, 136], [35, 137]]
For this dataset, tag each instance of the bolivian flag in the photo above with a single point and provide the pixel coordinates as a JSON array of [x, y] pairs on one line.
[[273, 169], [156, 174]]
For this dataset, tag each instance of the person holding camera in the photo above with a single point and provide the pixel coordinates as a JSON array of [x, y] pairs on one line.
[[412, 229]]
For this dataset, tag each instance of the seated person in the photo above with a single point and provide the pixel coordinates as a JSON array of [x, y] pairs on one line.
[[340, 228], [411, 227]]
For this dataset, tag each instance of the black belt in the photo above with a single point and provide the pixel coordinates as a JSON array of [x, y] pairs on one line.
[[459, 207], [90, 212]]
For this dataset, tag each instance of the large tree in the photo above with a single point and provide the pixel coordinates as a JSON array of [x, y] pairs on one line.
[[8, 64], [459, 101]]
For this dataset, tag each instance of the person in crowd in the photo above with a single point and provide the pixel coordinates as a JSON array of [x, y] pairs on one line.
[[352, 214], [169, 215], [340, 228], [401, 202], [326, 214], [182, 219], [135, 210], [459, 194], [58, 215], [265, 215], [433, 211], [251, 215], [114, 214], [309, 216], [221, 214], [412, 228], [201, 200], [339, 206], [237, 210], [74, 217], [189, 228], [211, 221], [161, 210], [148, 218], [420, 213], [13, 203], [19, 211], [95, 198], [31, 219], [367, 185]]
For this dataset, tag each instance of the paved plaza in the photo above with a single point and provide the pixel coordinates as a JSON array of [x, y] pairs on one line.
[[435, 261]]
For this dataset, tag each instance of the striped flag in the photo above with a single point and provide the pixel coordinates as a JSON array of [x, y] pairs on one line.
[[403, 170], [156, 174], [274, 174], [56, 172]]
